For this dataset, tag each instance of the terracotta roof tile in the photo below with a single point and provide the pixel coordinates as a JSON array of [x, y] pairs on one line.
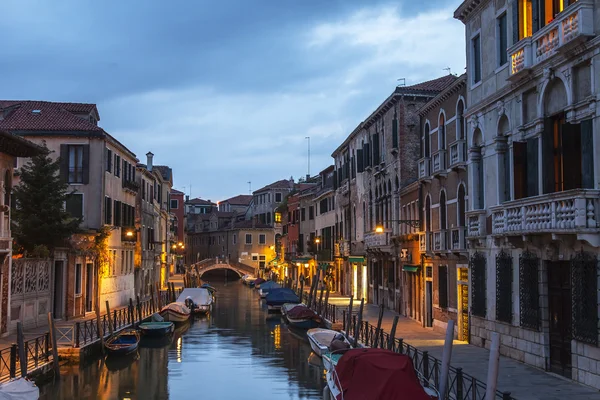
[[282, 184], [242, 199], [434, 85], [199, 201], [46, 116]]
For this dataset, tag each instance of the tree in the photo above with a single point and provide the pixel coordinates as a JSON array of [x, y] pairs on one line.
[[39, 216]]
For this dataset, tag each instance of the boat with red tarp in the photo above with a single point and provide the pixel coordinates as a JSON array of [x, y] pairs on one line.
[[300, 316], [376, 374]]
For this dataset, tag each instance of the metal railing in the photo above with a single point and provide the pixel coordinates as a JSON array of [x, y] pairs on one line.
[[37, 354]]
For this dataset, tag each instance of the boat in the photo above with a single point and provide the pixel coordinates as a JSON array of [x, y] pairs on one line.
[[156, 329], [278, 297], [302, 317], [176, 312], [376, 374], [123, 343], [250, 281], [19, 389], [198, 300], [265, 287], [320, 340], [210, 288], [257, 282]]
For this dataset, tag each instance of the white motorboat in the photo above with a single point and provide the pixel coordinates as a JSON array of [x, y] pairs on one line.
[[320, 339], [198, 300], [19, 389], [175, 312]]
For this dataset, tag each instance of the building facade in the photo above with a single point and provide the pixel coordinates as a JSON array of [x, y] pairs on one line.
[[238, 204], [268, 198], [533, 133]]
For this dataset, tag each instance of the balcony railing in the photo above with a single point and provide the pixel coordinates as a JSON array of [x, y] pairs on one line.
[[458, 239], [439, 162], [440, 242], [573, 211], [424, 168], [131, 185], [458, 153], [374, 239], [570, 27], [476, 224], [425, 239]]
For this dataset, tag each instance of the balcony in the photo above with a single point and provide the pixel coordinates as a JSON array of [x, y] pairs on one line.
[[130, 185], [458, 154], [439, 163], [572, 26], [570, 212], [425, 239], [440, 241], [373, 239], [476, 227], [458, 236], [344, 188], [425, 168]]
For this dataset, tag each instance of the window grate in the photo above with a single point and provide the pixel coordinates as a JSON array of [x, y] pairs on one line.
[[529, 298], [504, 268], [584, 281], [478, 282]]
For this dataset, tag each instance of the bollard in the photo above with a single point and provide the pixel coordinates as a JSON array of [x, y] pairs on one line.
[[392, 337], [22, 351], [492, 377], [446, 356], [459, 383], [13, 360]]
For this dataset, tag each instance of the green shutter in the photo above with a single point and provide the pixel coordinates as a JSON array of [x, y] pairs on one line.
[[548, 177]]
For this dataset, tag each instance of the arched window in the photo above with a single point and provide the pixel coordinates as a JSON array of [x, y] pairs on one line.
[[503, 160], [7, 187], [462, 206], [476, 171], [442, 132], [425, 141], [460, 120], [443, 221]]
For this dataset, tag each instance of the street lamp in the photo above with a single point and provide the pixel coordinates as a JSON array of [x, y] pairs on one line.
[[414, 223]]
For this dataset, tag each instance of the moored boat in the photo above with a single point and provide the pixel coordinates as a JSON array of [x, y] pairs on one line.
[[320, 340], [302, 317], [19, 389], [198, 300], [156, 328], [123, 343], [376, 374], [257, 282], [278, 297], [176, 312], [265, 287]]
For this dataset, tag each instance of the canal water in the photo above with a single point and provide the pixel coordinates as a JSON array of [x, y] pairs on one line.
[[238, 352]]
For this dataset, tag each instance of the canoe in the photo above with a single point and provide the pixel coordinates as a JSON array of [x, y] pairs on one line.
[[278, 297], [376, 373], [156, 328], [198, 300], [266, 287], [320, 340], [19, 389], [122, 343], [175, 312]]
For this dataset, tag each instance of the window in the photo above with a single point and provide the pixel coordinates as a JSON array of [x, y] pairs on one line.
[[234, 239], [460, 120], [109, 155], [443, 286], [303, 214], [117, 214], [248, 238], [442, 133], [262, 258], [174, 204], [504, 287], [277, 197], [108, 210], [77, 279], [75, 164], [262, 238], [476, 58], [74, 204], [117, 166], [311, 212], [425, 141], [525, 17], [254, 257], [502, 35], [477, 265], [443, 209]]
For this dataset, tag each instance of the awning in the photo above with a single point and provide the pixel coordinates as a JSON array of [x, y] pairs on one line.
[[302, 260], [410, 268], [356, 259]]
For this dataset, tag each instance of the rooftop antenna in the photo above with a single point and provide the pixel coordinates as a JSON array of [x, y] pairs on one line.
[[401, 82], [448, 69], [249, 187], [308, 172]]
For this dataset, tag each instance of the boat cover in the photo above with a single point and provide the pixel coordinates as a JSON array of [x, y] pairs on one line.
[[258, 281], [378, 374], [177, 306], [268, 285], [301, 312], [282, 296], [19, 389], [200, 296], [156, 317]]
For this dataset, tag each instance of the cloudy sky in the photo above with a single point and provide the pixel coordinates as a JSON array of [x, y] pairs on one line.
[[226, 92]]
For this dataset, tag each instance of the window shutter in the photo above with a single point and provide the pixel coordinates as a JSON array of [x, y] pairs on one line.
[[359, 161], [515, 20], [64, 162], [548, 177], [537, 9], [335, 179], [395, 133], [532, 167], [86, 164], [443, 286], [587, 154], [367, 154]]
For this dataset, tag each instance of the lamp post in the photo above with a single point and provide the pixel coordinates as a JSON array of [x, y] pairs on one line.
[[317, 241], [177, 249]]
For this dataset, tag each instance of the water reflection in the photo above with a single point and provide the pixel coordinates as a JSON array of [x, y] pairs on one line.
[[238, 352]]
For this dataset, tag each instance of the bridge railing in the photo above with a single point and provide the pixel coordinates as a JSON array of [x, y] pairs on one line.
[[242, 267]]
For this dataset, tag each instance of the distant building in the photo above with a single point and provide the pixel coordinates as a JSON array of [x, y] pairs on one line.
[[267, 199], [198, 206], [238, 204]]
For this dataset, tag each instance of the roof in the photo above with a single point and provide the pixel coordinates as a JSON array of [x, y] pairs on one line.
[[434, 85], [46, 116], [282, 184], [242, 199], [251, 224], [453, 87], [225, 214], [199, 201], [165, 171], [17, 146], [177, 192], [466, 8]]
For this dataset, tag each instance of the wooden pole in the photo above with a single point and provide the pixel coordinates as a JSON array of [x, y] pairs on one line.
[[152, 301], [393, 334], [327, 300], [22, 352], [302, 291], [100, 331], [158, 294], [110, 324], [379, 319], [446, 356], [320, 305], [359, 321], [349, 323], [173, 297], [492, 377], [139, 309], [54, 346], [131, 312]]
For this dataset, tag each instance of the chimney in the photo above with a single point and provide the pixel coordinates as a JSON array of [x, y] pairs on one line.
[[187, 198], [307, 177], [149, 157]]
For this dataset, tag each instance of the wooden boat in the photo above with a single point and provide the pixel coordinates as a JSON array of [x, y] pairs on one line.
[[278, 297], [320, 340], [198, 300], [123, 343], [19, 389], [376, 374], [156, 328], [265, 287], [175, 312], [301, 316], [210, 288]]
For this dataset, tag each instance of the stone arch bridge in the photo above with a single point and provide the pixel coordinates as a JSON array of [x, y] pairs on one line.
[[214, 263]]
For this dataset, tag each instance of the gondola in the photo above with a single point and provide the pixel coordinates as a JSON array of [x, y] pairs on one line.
[[122, 343]]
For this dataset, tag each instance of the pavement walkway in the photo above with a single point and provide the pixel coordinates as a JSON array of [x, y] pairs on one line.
[[522, 381]]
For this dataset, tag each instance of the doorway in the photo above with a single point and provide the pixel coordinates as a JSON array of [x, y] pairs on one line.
[[59, 266], [89, 287], [429, 303], [364, 282], [355, 281], [559, 304], [464, 312]]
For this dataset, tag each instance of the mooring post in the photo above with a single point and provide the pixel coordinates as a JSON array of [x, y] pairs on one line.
[[320, 305], [327, 304], [392, 337], [349, 323], [139, 309], [110, 324], [379, 319], [152, 300], [131, 313], [446, 356], [301, 294], [54, 346], [359, 321], [99, 329], [22, 352], [173, 291]]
